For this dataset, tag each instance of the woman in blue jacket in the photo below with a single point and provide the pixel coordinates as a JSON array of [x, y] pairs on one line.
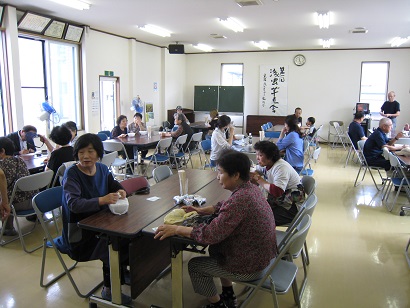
[[290, 141]]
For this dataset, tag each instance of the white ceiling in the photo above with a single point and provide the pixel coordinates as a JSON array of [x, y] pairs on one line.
[[284, 24]]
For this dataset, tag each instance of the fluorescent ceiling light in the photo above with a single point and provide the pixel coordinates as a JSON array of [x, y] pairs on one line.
[[323, 19], [76, 4], [156, 30], [326, 43], [203, 47], [232, 24], [397, 41], [261, 44]]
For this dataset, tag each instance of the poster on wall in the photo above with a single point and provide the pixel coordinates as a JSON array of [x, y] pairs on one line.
[[273, 91], [149, 113]]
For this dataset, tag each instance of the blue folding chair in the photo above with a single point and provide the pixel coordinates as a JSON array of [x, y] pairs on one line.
[[47, 201], [106, 132], [205, 146]]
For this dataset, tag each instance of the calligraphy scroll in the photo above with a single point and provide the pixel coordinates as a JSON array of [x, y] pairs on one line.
[[273, 92]]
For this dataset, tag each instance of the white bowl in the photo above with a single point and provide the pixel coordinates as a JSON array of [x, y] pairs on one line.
[[131, 135], [119, 208], [143, 132], [239, 136]]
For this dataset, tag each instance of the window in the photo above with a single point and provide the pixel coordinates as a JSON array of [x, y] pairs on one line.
[[232, 74], [373, 84], [49, 72]]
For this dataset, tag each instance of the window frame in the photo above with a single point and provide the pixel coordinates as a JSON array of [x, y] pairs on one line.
[[224, 82], [373, 105], [48, 94]]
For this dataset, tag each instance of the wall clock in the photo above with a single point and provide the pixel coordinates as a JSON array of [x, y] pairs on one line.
[[299, 60]]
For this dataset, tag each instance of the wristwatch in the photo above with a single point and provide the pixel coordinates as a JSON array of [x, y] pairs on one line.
[[396, 138]]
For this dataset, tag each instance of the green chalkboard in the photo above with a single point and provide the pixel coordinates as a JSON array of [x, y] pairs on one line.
[[231, 99], [223, 98], [205, 98]]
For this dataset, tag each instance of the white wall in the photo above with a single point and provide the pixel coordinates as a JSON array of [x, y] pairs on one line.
[[139, 66], [326, 87]]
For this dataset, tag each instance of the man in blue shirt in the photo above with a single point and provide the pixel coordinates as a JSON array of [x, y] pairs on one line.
[[373, 148], [355, 130]]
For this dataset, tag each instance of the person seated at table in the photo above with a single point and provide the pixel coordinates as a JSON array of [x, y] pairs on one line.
[[355, 130], [373, 147], [136, 126], [61, 136], [298, 115], [72, 126], [88, 188], [290, 141], [214, 115], [14, 168], [310, 128], [4, 200], [23, 140], [179, 110], [182, 129], [120, 130], [241, 237], [219, 142], [281, 183]]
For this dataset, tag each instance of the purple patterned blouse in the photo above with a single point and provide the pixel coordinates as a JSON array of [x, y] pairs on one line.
[[242, 237]]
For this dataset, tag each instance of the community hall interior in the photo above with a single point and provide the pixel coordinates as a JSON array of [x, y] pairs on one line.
[[356, 245]]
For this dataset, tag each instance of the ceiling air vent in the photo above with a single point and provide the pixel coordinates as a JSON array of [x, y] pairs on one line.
[[358, 30], [243, 3], [218, 36]]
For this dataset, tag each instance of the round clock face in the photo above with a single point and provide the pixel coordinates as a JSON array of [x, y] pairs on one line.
[[299, 60]]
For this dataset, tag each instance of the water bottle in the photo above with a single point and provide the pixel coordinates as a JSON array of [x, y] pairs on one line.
[[250, 138]]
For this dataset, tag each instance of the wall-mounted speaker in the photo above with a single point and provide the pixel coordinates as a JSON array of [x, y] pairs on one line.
[[176, 48]]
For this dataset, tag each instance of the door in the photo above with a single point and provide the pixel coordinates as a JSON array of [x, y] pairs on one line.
[[109, 102]]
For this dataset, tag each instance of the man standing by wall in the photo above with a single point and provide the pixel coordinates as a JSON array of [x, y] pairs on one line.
[[391, 109]]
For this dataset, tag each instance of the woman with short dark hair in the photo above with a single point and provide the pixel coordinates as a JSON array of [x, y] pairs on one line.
[[88, 188], [241, 237], [280, 182], [61, 136], [120, 130]]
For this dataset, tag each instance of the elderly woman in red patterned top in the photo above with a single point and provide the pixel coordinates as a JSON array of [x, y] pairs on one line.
[[242, 236]]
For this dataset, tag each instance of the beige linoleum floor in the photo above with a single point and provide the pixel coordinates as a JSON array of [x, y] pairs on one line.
[[356, 251]]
